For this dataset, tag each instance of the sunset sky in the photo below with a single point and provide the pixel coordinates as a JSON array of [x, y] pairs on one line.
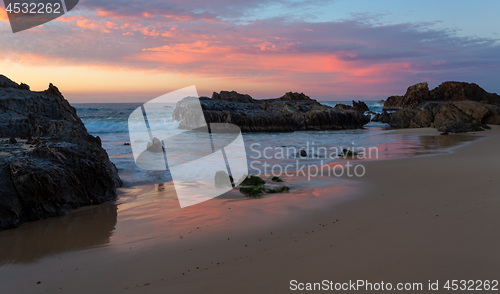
[[122, 51]]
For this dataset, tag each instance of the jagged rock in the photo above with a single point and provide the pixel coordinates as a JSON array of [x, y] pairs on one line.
[[5, 82], [294, 96], [359, 106], [342, 107], [459, 91], [291, 112], [232, 96], [451, 107], [415, 95], [23, 86], [418, 94], [455, 117], [406, 118], [58, 166]]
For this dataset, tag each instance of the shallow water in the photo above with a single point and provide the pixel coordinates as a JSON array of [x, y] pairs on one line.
[[109, 122], [146, 214]]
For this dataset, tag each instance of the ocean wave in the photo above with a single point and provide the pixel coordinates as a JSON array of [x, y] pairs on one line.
[[108, 126], [99, 126]]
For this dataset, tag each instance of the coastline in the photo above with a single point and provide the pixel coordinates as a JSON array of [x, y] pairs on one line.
[[415, 221]]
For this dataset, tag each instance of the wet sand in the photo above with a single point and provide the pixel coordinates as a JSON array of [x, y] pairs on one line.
[[408, 220]]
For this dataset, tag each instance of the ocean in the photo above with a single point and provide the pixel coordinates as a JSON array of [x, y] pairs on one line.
[[109, 122]]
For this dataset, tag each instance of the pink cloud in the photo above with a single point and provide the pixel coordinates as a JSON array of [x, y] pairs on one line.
[[3, 15], [344, 56]]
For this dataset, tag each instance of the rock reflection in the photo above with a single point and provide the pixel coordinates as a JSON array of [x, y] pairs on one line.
[[409, 145], [83, 228]]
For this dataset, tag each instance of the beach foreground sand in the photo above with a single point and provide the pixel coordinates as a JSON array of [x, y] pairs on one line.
[[408, 220]]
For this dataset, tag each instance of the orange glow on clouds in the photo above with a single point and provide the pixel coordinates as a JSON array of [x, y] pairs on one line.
[[109, 26], [228, 57], [117, 84], [279, 72], [3, 15], [139, 52]]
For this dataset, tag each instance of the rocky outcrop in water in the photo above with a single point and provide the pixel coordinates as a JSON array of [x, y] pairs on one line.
[[49, 163], [415, 95], [451, 107], [419, 94], [359, 106], [291, 112]]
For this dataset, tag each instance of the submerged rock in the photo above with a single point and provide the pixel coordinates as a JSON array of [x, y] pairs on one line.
[[291, 112], [302, 153], [253, 191], [277, 179], [155, 146], [56, 166], [222, 179], [255, 187], [253, 181], [349, 153]]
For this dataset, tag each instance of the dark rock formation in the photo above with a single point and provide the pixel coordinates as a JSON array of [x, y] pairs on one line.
[[232, 96], [291, 112], [451, 107], [294, 96], [56, 165], [457, 91], [415, 95], [359, 106], [418, 94]]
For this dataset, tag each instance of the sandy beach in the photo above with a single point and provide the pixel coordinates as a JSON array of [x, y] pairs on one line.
[[408, 220]]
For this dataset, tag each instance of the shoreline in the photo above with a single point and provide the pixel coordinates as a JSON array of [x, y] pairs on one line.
[[355, 239]]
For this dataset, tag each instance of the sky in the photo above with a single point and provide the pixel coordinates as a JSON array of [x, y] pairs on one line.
[[134, 51]]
